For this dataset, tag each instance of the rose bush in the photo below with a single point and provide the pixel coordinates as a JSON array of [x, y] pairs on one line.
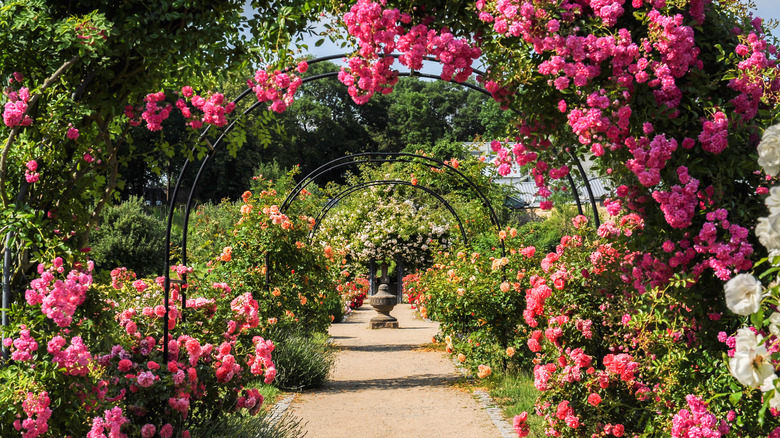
[[477, 299], [87, 360], [269, 256]]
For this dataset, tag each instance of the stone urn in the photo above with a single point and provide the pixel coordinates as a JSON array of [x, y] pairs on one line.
[[383, 301]]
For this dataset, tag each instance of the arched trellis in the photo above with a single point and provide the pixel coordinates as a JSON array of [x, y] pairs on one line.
[[386, 157], [384, 182], [221, 138]]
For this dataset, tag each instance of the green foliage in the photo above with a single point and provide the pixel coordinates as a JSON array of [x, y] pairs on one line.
[[515, 393], [83, 62], [267, 254], [479, 304], [248, 426], [128, 236], [303, 360], [210, 227], [545, 232]]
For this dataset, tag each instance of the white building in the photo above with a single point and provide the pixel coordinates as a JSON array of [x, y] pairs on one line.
[[525, 186]]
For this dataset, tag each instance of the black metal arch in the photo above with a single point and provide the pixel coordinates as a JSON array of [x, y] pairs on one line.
[[212, 149], [386, 157], [384, 182]]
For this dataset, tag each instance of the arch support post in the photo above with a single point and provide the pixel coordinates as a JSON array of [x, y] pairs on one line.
[[372, 277], [7, 259], [399, 266]]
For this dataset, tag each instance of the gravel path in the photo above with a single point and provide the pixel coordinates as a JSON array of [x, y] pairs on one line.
[[383, 385]]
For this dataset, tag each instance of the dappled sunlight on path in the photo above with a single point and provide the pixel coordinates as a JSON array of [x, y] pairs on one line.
[[384, 385]]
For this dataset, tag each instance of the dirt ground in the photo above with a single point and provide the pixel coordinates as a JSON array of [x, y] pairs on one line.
[[384, 385]]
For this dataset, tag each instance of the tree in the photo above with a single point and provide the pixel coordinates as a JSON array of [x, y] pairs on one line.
[[73, 67]]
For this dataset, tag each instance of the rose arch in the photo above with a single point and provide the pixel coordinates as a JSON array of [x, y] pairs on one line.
[[346, 161]]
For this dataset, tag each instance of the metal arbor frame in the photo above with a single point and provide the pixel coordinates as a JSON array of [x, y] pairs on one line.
[[386, 182], [221, 139], [389, 157]]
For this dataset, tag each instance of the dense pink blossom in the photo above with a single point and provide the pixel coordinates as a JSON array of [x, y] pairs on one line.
[[261, 362], [679, 204], [75, 359], [24, 346], [15, 110], [714, 136], [621, 364], [38, 412], [73, 133], [112, 421], [245, 308], [379, 32], [148, 430], [697, 421], [58, 298]]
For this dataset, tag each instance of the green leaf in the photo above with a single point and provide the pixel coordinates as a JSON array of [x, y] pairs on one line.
[[757, 319]]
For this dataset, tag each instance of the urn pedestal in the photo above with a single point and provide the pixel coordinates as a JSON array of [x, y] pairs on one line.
[[383, 302]]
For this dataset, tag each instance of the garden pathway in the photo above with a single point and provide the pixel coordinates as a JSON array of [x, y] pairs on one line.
[[385, 385]]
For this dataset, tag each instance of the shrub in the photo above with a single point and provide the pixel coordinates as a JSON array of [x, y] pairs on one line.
[[98, 357], [269, 257], [210, 226], [477, 299], [129, 237], [247, 426], [303, 360]]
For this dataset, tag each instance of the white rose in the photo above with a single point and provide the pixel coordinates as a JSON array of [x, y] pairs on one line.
[[768, 231], [774, 324], [769, 384], [743, 294], [769, 151], [750, 364], [773, 201]]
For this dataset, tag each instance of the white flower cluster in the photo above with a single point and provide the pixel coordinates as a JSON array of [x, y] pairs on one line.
[[769, 151], [752, 364], [768, 228], [385, 228]]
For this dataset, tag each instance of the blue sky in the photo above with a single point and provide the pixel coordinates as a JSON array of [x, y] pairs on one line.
[[768, 9]]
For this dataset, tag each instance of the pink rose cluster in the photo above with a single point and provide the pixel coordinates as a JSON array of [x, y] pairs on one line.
[[14, 112], [622, 365], [38, 412], [30, 173], [213, 107], [750, 84], [679, 204], [277, 87], [121, 275], [380, 32], [535, 297], [75, 359], [154, 114], [251, 401], [245, 308], [226, 364], [58, 298], [109, 425], [697, 421], [520, 424], [261, 362], [650, 157], [675, 43], [24, 346]]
